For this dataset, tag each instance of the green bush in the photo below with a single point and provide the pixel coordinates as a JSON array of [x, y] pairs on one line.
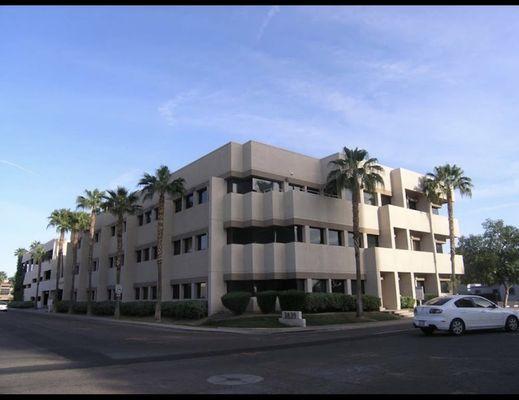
[[406, 302], [267, 301], [292, 300], [79, 307], [189, 309], [370, 303], [20, 304], [329, 302], [103, 307], [62, 306], [237, 302], [138, 308]]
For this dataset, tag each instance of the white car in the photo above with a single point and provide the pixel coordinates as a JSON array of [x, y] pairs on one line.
[[3, 306], [459, 313]]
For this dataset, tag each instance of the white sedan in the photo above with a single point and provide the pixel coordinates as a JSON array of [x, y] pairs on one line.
[[459, 313], [3, 306]]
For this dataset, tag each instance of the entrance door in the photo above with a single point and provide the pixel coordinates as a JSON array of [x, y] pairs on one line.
[[45, 298]]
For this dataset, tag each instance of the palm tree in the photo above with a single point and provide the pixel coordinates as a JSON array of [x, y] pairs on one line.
[[355, 171], [20, 274], [92, 201], [38, 253], [118, 203], [79, 223], [160, 183], [441, 185], [59, 219]]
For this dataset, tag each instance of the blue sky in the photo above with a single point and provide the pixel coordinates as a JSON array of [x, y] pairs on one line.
[[94, 96]]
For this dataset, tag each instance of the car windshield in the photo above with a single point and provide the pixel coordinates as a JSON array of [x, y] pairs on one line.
[[438, 301]]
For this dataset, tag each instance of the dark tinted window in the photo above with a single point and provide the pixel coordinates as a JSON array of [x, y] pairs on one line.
[[316, 235], [385, 199], [372, 240], [189, 200], [176, 247], [203, 197], [178, 205], [464, 303], [334, 237]]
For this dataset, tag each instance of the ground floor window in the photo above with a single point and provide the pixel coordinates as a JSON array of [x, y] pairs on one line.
[[145, 293], [187, 290], [354, 286], [264, 285], [154, 292], [201, 290], [338, 286], [176, 291], [137, 293], [319, 285], [444, 286]]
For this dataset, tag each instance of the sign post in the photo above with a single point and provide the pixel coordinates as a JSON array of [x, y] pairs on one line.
[[118, 291]]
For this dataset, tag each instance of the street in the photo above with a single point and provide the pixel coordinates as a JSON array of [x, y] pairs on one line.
[[46, 353]]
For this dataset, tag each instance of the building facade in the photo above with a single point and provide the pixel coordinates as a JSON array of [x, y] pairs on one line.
[[255, 218], [6, 290]]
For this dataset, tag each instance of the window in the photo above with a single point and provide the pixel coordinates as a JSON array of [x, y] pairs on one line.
[[385, 199], [338, 286], [176, 291], [140, 219], [354, 286], [334, 237], [186, 288], [313, 190], [137, 293], [293, 186], [237, 185], [113, 230], [298, 233], [201, 242], [188, 245], [439, 247], [146, 254], [110, 293], [154, 292], [201, 290], [351, 240], [156, 212], [138, 255], [203, 196], [111, 261], [444, 286], [372, 240], [482, 303], [412, 203], [316, 235], [147, 215], [145, 293], [319, 285], [94, 265], [438, 301], [176, 247], [96, 237], [370, 198], [178, 205], [436, 210], [264, 185], [189, 201], [464, 303], [416, 244], [154, 252], [47, 275]]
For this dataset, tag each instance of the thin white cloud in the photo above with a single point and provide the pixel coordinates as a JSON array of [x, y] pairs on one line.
[[129, 178], [18, 166], [272, 12], [167, 109]]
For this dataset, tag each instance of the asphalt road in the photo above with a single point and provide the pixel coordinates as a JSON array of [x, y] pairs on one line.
[[45, 353]]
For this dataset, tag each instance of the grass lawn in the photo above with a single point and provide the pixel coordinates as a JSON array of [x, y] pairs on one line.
[[271, 320]]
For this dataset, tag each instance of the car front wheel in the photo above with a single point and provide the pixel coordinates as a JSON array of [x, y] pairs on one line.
[[512, 324], [457, 327]]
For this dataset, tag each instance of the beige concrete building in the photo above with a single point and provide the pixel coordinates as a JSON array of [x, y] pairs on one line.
[[6, 290], [255, 218]]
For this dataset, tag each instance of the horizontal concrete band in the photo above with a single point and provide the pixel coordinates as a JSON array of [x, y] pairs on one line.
[[294, 221], [190, 234], [189, 280], [288, 275]]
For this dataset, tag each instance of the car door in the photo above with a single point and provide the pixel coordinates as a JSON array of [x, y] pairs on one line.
[[489, 315], [467, 311]]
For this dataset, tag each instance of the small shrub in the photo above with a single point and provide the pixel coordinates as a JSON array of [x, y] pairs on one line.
[[189, 309], [103, 307], [237, 302], [292, 300], [406, 302], [62, 306], [370, 303], [20, 304], [348, 303], [317, 302], [267, 301], [138, 308], [79, 307]]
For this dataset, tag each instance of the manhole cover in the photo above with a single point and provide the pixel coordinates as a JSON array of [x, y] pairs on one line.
[[234, 379]]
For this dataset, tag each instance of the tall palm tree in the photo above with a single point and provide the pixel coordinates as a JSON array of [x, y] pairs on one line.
[[118, 203], [160, 183], [38, 254], [440, 185], [59, 219], [20, 274], [355, 171], [79, 223], [92, 201]]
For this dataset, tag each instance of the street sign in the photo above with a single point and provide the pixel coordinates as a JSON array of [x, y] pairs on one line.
[[420, 293]]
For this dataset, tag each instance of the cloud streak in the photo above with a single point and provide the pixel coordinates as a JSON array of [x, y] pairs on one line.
[[18, 166], [272, 12]]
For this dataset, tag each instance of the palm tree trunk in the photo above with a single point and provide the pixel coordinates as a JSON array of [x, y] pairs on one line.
[[74, 262], [117, 313], [356, 245], [450, 209], [90, 260], [507, 294], [160, 232], [37, 285], [58, 269]]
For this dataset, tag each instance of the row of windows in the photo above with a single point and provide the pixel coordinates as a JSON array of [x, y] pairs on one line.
[[200, 291], [202, 197], [146, 216], [146, 293], [144, 254], [317, 285], [186, 245]]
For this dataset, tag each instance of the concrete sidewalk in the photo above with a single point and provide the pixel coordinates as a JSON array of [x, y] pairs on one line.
[[405, 322]]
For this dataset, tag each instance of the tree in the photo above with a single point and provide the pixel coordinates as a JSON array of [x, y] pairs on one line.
[[20, 274], [38, 254], [160, 183], [91, 201], [118, 203], [3, 276], [441, 185], [59, 219], [79, 223], [356, 172], [493, 257]]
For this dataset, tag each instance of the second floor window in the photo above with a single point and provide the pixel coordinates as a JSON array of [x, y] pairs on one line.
[[148, 216], [176, 247], [154, 253], [140, 219], [189, 201], [112, 228], [201, 242], [316, 235], [334, 237], [178, 205], [372, 240], [146, 254], [203, 196], [188, 245], [138, 256]]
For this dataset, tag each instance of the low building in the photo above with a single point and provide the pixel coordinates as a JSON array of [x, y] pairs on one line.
[[6, 290]]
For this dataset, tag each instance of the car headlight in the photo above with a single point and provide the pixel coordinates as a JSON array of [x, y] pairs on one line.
[[435, 311]]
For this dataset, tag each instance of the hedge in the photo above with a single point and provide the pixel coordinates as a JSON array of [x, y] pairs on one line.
[[103, 307], [292, 300], [188, 309], [138, 308], [267, 301], [20, 304], [406, 302], [370, 303], [237, 302], [329, 302]]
